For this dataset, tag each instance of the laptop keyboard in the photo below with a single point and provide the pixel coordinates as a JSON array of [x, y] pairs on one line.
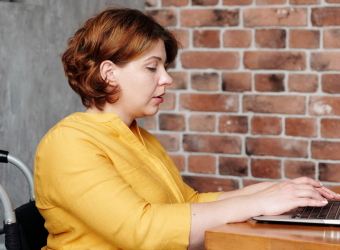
[[329, 212]]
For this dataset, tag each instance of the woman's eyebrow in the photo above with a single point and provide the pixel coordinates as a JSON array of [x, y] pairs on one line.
[[154, 57]]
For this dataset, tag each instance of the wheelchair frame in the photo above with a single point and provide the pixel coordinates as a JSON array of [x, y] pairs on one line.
[[9, 214]]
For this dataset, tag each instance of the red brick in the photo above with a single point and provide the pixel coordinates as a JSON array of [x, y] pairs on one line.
[[149, 123], [179, 161], [236, 82], [331, 38], [266, 125], [169, 102], [326, 16], [330, 128], [233, 166], [204, 2], [270, 38], [307, 39], [324, 105], [204, 81], [209, 17], [303, 83], [202, 123], [172, 122], [304, 1], [151, 3], [212, 144], [233, 124], [237, 2], [204, 102], [288, 60], [172, 65], [269, 82], [210, 184], [215, 60], [179, 80], [169, 141], [207, 38], [273, 104], [182, 37], [176, 3], [164, 17], [202, 164], [327, 150], [330, 83], [249, 182], [266, 168], [276, 147], [237, 38], [275, 17], [295, 169], [329, 172], [267, 2], [323, 61], [305, 127]]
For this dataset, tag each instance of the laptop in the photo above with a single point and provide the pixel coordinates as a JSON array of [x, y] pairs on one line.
[[328, 215]]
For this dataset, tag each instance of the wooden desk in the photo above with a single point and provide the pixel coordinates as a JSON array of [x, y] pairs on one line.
[[252, 235]]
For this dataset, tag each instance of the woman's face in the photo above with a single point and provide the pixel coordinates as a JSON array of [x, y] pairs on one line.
[[142, 82]]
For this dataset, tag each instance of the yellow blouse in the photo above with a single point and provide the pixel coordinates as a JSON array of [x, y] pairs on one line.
[[100, 185]]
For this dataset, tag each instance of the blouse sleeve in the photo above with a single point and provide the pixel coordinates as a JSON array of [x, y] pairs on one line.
[[195, 197], [74, 174]]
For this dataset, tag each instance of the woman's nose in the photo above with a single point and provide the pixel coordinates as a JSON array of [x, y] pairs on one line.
[[165, 79]]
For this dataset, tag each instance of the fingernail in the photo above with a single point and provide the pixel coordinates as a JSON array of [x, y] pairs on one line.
[[332, 196], [338, 194], [325, 201], [320, 183]]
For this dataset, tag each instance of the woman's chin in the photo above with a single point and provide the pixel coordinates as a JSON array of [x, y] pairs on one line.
[[151, 112]]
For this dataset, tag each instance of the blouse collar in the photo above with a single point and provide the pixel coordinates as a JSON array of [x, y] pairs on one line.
[[133, 133]]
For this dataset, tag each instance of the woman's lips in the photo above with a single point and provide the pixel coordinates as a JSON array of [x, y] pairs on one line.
[[158, 99]]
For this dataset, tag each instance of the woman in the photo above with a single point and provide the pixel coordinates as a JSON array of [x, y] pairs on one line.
[[102, 182]]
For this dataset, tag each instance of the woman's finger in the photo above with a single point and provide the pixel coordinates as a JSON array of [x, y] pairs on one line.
[[304, 186], [335, 195], [306, 180], [324, 193], [305, 202], [328, 193], [308, 193]]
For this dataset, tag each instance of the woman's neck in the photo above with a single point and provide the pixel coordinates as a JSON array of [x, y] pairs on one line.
[[108, 109]]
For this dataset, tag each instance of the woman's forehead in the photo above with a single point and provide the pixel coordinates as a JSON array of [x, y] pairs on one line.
[[156, 52]]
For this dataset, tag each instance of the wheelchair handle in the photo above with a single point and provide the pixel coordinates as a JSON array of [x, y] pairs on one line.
[[6, 157], [9, 214], [3, 156]]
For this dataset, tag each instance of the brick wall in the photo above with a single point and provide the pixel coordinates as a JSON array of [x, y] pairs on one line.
[[256, 91]]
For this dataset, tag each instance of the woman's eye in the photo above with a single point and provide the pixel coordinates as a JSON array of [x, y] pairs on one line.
[[151, 69]]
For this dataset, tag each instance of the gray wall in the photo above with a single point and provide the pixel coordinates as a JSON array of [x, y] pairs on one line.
[[34, 93]]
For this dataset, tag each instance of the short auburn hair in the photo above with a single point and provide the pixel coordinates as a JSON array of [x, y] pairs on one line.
[[116, 34]]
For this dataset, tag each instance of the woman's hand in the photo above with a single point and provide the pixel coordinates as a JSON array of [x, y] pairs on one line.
[[287, 195], [271, 198], [255, 188]]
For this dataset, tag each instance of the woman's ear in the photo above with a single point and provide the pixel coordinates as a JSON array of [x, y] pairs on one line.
[[107, 69]]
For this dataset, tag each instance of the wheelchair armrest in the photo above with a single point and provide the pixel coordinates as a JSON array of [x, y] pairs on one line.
[[6, 157]]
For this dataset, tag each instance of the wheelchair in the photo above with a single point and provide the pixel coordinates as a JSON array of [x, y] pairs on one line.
[[23, 227]]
